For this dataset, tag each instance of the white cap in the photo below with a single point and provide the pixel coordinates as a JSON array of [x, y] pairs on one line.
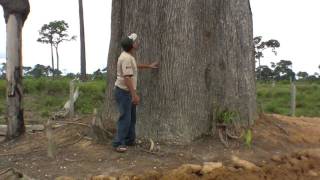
[[133, 36]]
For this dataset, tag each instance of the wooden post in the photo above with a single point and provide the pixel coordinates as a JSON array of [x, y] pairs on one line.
[[51, 143], [71, 113], [273, 83], [293, 99]]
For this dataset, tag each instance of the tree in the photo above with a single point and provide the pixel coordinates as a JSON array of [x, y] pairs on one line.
[[283, 70], [82, 43], [303, 75], [26, 69], [264, 73], [15, 14], [40, 71], [54, 33], [206, 56], [260, 46], [3, 70]]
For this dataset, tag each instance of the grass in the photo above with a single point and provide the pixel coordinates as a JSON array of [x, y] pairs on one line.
[[277, 99], [44, 96]]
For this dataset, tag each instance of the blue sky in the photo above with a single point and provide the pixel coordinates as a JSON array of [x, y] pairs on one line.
[[292, 22]]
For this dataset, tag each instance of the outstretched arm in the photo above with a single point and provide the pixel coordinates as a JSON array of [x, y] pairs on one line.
[[154, 65]]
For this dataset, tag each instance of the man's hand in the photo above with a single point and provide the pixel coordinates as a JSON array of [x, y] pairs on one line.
[[135, 99], [154, 65]]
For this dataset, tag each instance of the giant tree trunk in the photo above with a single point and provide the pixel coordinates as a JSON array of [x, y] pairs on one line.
[[82, 43], [206, 54], [15, 12]]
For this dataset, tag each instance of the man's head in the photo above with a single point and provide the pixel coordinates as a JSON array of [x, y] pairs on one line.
[[129, 42]]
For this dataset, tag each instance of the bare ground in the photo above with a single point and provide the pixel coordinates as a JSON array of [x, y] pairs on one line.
[[283, 148]]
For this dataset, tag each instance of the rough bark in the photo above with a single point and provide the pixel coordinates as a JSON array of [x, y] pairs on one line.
[[82, 43], [206, 56], [52, 60], [57, 57], [15, 12]]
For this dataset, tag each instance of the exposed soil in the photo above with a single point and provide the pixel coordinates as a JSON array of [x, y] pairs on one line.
[[283, 148]]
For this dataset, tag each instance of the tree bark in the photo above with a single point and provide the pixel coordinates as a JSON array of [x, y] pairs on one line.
[[57, 55], [52, 60], [206, 55], [15, 12], [82, 43]]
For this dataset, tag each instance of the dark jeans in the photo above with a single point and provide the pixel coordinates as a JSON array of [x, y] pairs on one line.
[[126, 132]]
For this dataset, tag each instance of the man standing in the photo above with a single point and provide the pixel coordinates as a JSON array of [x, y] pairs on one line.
[[125, 93]]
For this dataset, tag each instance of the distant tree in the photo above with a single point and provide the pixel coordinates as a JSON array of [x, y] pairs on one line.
[[71, 75], [283, 71], [260, 46], [313, 77], [99, 74], [40, 71], [3, 68], [26, 69], [55, 33], [303, 75], [264, 73]]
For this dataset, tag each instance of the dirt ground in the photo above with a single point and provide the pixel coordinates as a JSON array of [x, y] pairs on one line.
[[283, 148]]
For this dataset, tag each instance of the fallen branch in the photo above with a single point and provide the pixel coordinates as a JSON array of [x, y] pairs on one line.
[[5, 171], [75, 123]]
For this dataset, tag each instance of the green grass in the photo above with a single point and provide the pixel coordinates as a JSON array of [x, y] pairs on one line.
[[277, 99], [43, 97]]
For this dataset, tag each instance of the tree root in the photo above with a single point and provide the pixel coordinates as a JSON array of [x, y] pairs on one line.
[[224, 142], [234, 136]]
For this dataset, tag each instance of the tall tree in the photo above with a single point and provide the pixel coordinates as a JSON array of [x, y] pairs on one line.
[[283, 70], [55, 33], [15, 14], [260, 46], [206, 55], [46, 36], [82, 43]]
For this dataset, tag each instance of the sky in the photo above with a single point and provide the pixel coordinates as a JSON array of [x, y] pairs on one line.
[[294, 23]]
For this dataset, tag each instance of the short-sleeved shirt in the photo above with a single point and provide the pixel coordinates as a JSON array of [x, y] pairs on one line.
[[126, 66]]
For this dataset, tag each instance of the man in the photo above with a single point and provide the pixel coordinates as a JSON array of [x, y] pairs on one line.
[[125, 93]]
